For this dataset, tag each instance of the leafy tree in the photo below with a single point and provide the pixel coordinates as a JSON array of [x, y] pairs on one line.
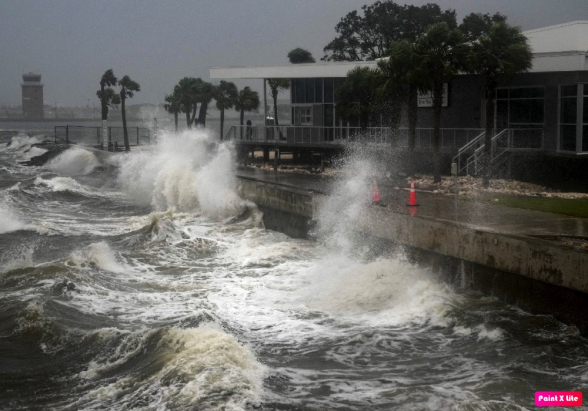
[[357, 97], [371, 36], [275, 85], [247, 100], [476, 24], [225, 95], [204, 97], [442, 53], [108, 97], [173, 105], [299, 55], [128, 88], [498, 55], [186, 90]]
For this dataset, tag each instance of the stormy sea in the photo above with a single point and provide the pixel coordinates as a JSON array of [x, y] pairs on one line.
[[142, 281]]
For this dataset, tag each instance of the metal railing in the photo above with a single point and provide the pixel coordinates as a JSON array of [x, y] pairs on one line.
[[506, 141], [451, 138], [91, 136]]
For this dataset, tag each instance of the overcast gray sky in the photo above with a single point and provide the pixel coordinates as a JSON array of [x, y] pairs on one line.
[[158, 42]]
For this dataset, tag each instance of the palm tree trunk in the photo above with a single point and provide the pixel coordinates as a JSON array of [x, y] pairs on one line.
[[188, 124], [222, 123], [193, 114], [202, 114], [176, 120], [437, 101], [488, 136], [276, 109], [124, 119], [412, 122], [104, 116], [241, 118]]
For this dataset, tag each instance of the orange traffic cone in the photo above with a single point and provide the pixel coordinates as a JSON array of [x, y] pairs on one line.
[[376, 194], [412, 198]]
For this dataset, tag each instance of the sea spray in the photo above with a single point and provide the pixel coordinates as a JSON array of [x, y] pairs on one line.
[[187, 171], [73, 162], [9, 220]]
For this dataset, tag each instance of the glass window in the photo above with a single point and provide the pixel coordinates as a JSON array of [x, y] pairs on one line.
[[303, 116], [328, 90], [568, 115], [300, 90], [318, 90], [585, 137], [502, 93], [502, 114], [568, 110], [567, 137], [328, 115], [569, 91], [309, 90], [526, 111], [527, 92]]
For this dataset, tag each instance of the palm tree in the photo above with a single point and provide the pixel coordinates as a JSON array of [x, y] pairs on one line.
[[128, 88], [275, 85], [403, 80], [187, 90], [173, 105], [498, 55], [108, 98], [204, 97], [225, 95], [442, 53], [357, 97], [247, 100]]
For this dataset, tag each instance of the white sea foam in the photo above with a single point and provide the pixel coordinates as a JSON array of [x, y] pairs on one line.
[[201, 367], [73, 162], [98, 255], [21, 141], [21, 257], [186, 171], [9, 220]]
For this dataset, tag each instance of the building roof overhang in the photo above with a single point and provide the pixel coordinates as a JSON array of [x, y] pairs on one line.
[[563, 47], [338, 69]]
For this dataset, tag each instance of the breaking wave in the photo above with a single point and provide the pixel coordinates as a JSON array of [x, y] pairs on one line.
[[187, 172], [203, 368], [73, 162]]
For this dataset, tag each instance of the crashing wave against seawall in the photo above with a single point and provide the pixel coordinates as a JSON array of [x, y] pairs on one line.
[[187, 171]]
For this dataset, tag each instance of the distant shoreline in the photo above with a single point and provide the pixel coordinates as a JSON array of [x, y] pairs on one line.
[[57, 120]]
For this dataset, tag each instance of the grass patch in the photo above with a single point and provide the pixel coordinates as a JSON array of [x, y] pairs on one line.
[[565, 206]]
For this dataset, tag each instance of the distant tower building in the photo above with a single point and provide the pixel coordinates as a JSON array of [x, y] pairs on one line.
[[32, 96]]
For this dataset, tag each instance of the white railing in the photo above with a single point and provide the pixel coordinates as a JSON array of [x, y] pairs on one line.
[[451, 138], [506, 141]]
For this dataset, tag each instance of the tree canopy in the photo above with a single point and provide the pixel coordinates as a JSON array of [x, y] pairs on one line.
[[476, 24], [299, 55], [500, 52], [442, 53], [108, 97], [225, 94], [358, 97], [371, 35]]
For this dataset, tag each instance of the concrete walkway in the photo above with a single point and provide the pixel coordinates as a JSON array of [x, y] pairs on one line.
[[484, 216]]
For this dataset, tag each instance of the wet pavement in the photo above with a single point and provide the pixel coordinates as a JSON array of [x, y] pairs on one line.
[[482, 215]]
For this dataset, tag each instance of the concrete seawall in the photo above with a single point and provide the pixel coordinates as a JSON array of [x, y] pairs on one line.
[[535, 274]]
